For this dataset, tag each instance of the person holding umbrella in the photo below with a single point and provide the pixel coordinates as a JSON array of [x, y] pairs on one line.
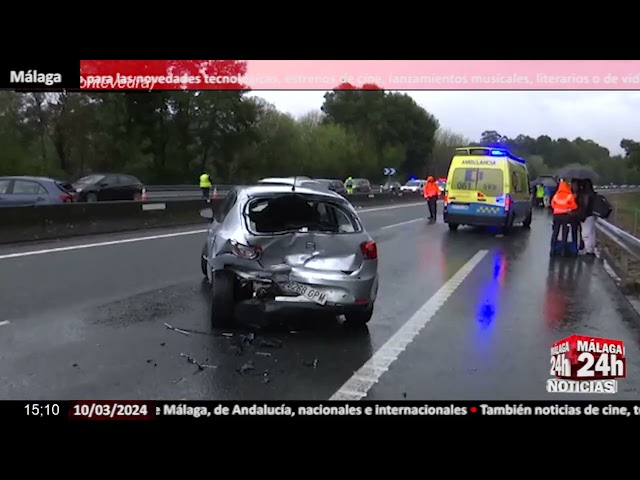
[[583, 178], [548, 193], [564, 206], [586, 198]]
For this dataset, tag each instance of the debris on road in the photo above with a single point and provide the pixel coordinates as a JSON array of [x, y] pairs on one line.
[[178, 380], [184, 332], [163, 344], [74, 365], [404, 394], [193, 361], [225, 334], [246, 368], [269, 343], [265, 377], [264, 354], [242, 341], [313, 364]]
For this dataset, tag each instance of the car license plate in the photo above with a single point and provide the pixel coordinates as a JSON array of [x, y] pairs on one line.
[[458, 207], [308, 292]]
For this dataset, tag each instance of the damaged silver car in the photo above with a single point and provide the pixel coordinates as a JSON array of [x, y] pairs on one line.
[[284, 248]]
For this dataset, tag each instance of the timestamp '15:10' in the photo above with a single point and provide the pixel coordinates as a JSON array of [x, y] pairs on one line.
[[42, 410]]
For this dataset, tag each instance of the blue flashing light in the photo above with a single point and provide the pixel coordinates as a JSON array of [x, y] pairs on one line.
[[498, 153]]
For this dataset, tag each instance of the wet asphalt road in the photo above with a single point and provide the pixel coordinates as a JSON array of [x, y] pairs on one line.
[[89, 323]]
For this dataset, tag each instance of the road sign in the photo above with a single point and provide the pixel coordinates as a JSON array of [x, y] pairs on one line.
[[389, 171]]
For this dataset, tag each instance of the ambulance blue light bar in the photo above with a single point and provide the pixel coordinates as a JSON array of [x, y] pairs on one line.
[[488, 151]]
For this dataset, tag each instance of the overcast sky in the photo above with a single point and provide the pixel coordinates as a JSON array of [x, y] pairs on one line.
[[605, 117]]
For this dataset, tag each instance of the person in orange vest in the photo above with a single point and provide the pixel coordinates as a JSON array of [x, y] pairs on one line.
[[431, 192], [565, 207]]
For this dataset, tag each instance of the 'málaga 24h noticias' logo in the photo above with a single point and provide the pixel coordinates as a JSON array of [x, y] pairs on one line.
[[586, 365]]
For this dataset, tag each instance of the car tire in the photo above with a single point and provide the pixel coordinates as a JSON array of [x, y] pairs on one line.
[[527, 221], [506, 230], [92, 197], [203, 262], [358, 318], [222, 305], [453, 226]]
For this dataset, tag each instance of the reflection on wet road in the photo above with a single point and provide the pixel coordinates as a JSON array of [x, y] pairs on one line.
[[90, 323]]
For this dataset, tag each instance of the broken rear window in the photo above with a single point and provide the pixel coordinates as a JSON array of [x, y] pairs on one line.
[[285, 213]]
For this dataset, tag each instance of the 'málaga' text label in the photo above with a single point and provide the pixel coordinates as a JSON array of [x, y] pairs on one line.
[[33, 76]]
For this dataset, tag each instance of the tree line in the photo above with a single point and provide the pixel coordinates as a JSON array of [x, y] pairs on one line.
[[172, 137]]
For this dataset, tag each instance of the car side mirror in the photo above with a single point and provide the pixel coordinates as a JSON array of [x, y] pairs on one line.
[[207, 213]]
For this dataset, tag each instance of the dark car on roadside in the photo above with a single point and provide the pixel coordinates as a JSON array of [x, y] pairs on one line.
[[391, 187], [333, 184], [361, 185], [20, 191], [108, 187]]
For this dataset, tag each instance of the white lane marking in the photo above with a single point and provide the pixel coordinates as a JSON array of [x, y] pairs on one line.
[[402, 223], [4, 322], [357, 387], [100, 244], [154, 206], [378, 209], [149, 237]]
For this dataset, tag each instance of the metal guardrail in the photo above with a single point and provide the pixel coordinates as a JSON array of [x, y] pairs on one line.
[[627, 250]]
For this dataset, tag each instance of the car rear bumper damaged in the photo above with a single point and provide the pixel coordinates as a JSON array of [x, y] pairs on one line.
[[294, 289]]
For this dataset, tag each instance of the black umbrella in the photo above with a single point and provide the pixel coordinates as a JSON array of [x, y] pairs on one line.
[[578, 172], [545, 181]]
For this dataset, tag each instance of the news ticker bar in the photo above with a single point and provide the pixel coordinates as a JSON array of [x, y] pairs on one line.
[[216, 410], [148, 75]]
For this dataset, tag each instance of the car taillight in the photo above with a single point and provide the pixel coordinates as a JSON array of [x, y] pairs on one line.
[[507, 202], [369, 250], [66, 198], [244, 251]]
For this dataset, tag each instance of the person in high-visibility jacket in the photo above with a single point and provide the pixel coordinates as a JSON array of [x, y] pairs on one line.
[[431, 192], [348, 184], [539, 195], [565, 207], [205, 185]]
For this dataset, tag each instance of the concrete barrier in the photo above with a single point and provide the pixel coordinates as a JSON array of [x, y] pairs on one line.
[[47, 222]]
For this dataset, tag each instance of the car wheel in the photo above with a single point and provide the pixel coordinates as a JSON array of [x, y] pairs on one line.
[[453, 226], [203, 261], [222, 298], [358, 318], [506, 230], [527, 221], [92, 197]]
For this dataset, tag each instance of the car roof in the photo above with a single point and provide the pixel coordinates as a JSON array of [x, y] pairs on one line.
[[267, 188], [32, 178]]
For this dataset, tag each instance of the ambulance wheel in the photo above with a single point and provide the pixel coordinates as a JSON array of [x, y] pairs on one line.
[[527, 221], [506, 230], [453, 226]]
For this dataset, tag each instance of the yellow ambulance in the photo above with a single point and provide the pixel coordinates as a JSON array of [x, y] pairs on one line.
[[487, 187]]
